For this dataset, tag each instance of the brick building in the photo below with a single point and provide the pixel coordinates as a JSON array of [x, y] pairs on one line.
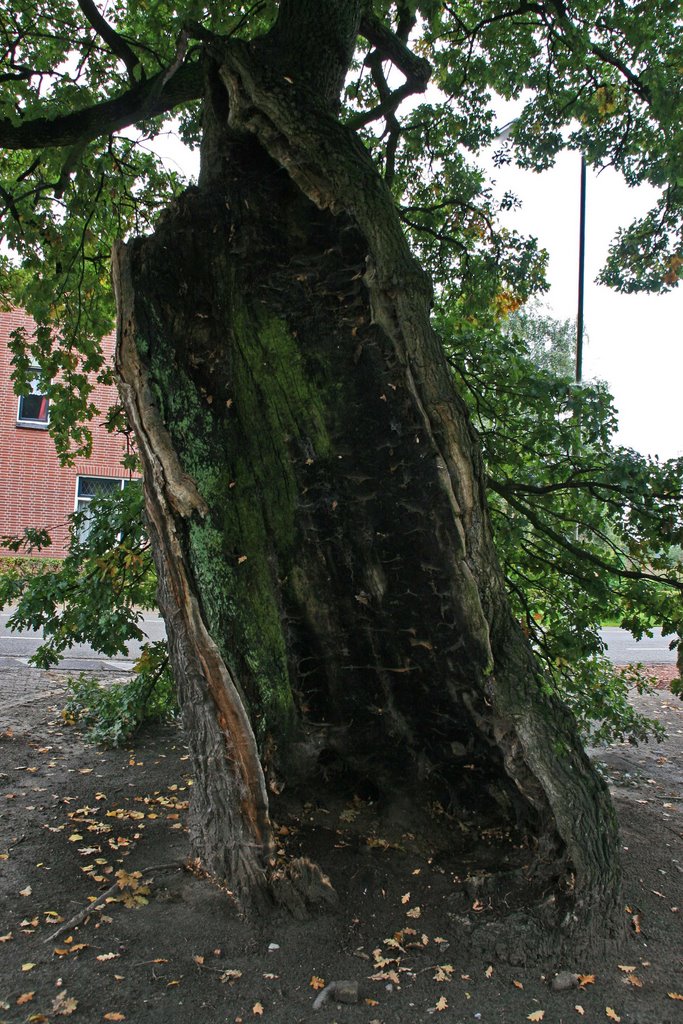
[[35, 490]]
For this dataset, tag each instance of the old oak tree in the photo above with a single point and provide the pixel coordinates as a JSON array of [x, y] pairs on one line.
[[314, 488]]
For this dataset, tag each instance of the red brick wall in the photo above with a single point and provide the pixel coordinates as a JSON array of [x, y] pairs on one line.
[[34, 489]]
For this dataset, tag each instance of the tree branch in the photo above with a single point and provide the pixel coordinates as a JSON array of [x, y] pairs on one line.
[[116, 43], [150, 98]]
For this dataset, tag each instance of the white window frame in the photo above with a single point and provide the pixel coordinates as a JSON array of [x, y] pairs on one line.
[[28, 421], [81, 501]]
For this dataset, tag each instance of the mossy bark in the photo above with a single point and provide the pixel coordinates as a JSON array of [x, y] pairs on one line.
[[317, 505]]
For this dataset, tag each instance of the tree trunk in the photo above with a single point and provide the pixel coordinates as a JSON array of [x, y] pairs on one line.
[[316, 500]]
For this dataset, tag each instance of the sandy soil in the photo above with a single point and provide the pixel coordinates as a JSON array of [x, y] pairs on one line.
[[417, 937]]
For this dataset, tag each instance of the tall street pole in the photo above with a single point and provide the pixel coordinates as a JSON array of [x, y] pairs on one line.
[[582, 261]]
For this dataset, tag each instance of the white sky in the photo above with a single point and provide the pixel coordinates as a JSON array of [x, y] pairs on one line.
[[635, 342]]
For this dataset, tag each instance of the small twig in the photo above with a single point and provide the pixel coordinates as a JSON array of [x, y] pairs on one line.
[[81, 916]]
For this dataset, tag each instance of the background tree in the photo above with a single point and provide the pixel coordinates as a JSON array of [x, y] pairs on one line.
[[314, 488]]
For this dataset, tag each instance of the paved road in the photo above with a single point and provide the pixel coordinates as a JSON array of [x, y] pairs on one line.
[[624, 650], [16, 648]]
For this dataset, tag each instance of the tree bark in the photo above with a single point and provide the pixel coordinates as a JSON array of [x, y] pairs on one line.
[[315, 495]]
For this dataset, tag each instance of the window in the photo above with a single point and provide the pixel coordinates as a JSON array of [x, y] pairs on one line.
[[89, 487], [34, 407]]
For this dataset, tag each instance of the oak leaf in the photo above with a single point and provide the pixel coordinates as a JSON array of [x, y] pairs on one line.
[[316, 983], [415, 912], [64, 1005], [441, 1004], [626, 969], [25, 997], [586, 979], [580, 1010], [257, 1010], [612, 1014], [536, 1015], [675, 995]]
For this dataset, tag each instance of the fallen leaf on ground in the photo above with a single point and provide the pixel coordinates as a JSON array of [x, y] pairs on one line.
[[114, 1016], [25, 997], [586, 979], [580, 1010], [518, 984], [107, 956], [441, 1004], [675, 995], [27, 967], [316, 982], [257, 1009], [415, 912], [26, 892], [612, 1014], [625, 969], [230, 976], [489, 971], [536, 1015], [634, 980], [405, 898], [6, 938], [64, 1005]]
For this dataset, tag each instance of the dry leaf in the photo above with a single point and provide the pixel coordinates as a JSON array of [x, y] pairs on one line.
[[441, 1004], [580, 1010], [371, 1002], [25, 997], [257, 1009], [26, 892], [536, 1015], [199, 960], [114, 1016], [675, 995], [64, 1005], [316, 983], [634, 980], [27, 967], [6, 938], [107, 956], [489, 971], [518, 984], [612, 1014], [586, 979], [415, 912], [625, 969]]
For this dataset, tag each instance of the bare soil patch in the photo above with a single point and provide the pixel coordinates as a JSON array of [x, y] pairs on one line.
[[414, 926]]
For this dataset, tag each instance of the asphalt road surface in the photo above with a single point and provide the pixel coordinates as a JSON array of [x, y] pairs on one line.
[[622, 649], [16, 648]]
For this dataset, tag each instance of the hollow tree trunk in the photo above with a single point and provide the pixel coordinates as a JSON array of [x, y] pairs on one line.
[[315, 492]]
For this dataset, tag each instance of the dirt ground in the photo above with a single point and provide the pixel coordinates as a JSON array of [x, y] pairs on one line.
[[418, 938]]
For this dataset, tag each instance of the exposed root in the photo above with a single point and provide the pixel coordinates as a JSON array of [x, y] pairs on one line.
[[299, 884]]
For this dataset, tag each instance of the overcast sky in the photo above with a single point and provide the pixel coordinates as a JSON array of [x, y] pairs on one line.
[[635, 342]]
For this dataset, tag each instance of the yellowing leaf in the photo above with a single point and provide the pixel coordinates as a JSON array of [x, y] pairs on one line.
[[536, 1015], [612, 1014], [316, 982], [27, 967], [64, 1005]]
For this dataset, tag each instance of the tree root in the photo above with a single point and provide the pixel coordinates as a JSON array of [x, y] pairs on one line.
[[299, 884]]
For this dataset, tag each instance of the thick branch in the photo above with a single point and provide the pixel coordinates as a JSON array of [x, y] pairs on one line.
[[114, 41], [153, 97]]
